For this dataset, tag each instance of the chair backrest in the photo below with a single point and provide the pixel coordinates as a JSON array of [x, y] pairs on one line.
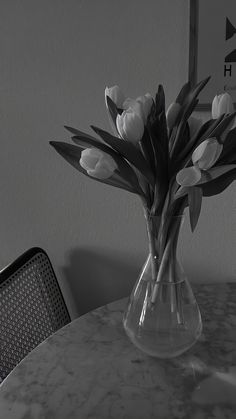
[[31, 307]]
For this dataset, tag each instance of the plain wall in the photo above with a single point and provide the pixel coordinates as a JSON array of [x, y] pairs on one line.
[[56, 59]]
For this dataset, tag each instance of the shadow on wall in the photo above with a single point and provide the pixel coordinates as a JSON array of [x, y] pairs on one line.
[[96, 278], [205, 274]]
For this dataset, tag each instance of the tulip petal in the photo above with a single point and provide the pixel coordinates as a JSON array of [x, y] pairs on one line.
[[214, 107], [130, 126], [188, 176], [116, 95], [97, 163], [207, 153], [222, 104], [226, 104], [87, 161]]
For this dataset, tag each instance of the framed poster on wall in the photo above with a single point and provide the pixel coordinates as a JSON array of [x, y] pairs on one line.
[[212, 48]]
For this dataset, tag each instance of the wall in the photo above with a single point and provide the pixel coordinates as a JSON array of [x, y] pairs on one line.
[[57, 58]]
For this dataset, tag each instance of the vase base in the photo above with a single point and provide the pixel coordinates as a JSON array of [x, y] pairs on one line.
[[164, 342], [164, 350]]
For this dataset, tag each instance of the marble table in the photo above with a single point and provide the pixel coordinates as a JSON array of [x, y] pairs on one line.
[[90, 370]]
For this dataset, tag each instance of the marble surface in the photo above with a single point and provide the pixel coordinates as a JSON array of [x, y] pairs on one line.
[[90, 370]]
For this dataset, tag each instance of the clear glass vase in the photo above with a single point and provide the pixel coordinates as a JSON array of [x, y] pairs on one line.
[[163, 318]]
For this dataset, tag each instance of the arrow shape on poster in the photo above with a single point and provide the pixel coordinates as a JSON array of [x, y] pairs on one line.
[[231, 57], [230, 29]]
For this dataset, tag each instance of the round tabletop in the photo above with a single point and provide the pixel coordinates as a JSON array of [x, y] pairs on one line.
[[90, 369]]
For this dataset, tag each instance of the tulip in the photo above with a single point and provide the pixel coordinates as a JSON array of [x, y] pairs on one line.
[[136, 107], [222, 104], [130, 125], [141, 106], [207, 153], [172, 114], [188, 176], [146, 102], [116, 95], [97, 163]]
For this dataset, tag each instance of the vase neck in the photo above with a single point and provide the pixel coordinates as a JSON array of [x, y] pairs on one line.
[[163, 231]]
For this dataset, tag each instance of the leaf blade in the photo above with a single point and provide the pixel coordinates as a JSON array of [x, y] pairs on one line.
[[195, 203], [72, 154], [218, 185], [79, 133], [112, 108]]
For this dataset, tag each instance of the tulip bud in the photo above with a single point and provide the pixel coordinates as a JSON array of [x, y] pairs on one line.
[[172, 114], [130, 126], [97, 163], [188, 176], [207, 153], [222, 104], [116, 95], [141, 106], [132, 104]]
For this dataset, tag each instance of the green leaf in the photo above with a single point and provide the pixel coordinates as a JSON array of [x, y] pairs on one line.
[[223, 125], [228, 154], [179, 142], [112, 109], [127, 179], [79, 133], [183, 94], [184, 138], [218, 185], [159, 143], [179, 161], [159, 138], [147, 149], [195, 203], [187, 98], [87, 142], [160, 100], [129, 151], [208, 182], [216, 172], [194, 92], [183, 190], [200, 136]]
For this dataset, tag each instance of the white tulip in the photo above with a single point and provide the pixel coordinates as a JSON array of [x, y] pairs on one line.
[[222, 104], [207, 153], [132, 104], [188, 176], [141, 106], [97, 163], [130, 125], [116, 95]]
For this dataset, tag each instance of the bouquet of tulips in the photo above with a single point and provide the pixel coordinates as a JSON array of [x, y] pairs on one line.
[[167, 157]]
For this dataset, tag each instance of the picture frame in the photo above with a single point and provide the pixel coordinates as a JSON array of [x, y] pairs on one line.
[[212, 48]]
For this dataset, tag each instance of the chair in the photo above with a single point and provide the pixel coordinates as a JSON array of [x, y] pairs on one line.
[[31, 307]]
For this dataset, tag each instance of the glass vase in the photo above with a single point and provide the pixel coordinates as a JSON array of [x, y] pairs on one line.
[[163, 318]]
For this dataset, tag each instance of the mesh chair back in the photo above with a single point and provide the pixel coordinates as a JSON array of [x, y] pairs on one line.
[[31, 307]]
